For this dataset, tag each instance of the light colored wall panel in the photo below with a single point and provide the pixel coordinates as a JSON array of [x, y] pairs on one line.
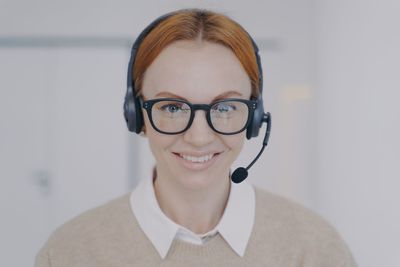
[[358, 129], [63, 140]]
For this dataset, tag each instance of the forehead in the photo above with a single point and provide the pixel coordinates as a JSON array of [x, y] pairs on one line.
[[196, 70]]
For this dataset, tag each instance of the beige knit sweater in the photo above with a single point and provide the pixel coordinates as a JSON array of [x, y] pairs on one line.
[[284, 234]]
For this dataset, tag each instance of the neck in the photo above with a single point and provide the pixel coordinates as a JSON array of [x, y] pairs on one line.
[[198, 210]]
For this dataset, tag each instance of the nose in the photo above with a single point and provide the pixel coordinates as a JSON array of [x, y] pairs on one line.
[[199, 133]]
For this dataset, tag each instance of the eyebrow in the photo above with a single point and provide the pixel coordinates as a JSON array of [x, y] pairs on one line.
[[218, 97]]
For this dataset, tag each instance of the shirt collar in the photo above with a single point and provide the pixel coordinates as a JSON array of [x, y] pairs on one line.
[[235, 225]]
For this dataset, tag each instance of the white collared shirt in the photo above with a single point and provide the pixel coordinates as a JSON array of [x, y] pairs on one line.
[[235, 225]]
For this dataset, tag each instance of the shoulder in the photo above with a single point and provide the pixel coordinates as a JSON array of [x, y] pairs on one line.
[[298, 230], [278, 208], [96, 231], [95, 220]]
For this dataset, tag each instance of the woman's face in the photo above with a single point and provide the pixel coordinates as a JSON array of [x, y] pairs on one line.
[[199, 72]]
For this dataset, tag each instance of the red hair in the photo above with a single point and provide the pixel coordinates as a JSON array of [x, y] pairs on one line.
[[191, 24]]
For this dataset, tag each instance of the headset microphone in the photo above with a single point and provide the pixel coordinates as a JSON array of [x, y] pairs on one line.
[[240, 174]]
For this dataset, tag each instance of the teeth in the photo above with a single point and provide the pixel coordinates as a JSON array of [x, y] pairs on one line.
[[197, 159]]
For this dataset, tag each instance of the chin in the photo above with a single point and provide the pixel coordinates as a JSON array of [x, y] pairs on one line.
[[202, 180]]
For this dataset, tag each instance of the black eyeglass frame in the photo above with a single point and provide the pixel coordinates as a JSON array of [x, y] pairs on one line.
[[148, 105]]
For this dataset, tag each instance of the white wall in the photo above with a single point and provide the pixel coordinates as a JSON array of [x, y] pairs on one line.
[[358, 125]]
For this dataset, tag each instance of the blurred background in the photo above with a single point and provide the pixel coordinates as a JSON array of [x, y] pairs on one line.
[[332, 84]]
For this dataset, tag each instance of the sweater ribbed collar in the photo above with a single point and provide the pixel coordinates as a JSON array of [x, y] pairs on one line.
[[235, 225]]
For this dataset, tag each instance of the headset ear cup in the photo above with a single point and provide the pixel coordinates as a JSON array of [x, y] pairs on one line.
[[133, 112], [128, 105], [258, 114], [257, 119], [138, 115]]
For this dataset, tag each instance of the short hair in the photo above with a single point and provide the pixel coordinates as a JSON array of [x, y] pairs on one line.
[[192, 24]]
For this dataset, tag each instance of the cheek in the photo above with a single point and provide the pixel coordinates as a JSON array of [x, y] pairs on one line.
[[159, 143], [235, 142]]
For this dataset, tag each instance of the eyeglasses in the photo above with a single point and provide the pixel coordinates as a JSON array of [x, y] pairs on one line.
[[174, 116]]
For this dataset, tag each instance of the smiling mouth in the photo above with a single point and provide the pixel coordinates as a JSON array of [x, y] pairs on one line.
[[194, 159]]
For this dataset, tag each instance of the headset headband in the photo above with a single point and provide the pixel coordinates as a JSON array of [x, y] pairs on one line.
[[132, 106]]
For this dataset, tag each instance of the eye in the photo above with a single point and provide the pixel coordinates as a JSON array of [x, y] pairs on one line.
[[224, 107], [173, 107]]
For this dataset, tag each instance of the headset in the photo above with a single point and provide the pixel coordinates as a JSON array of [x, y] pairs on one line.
[[133, 108]]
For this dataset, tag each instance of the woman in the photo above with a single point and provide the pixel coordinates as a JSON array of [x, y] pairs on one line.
[[194, 90]]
